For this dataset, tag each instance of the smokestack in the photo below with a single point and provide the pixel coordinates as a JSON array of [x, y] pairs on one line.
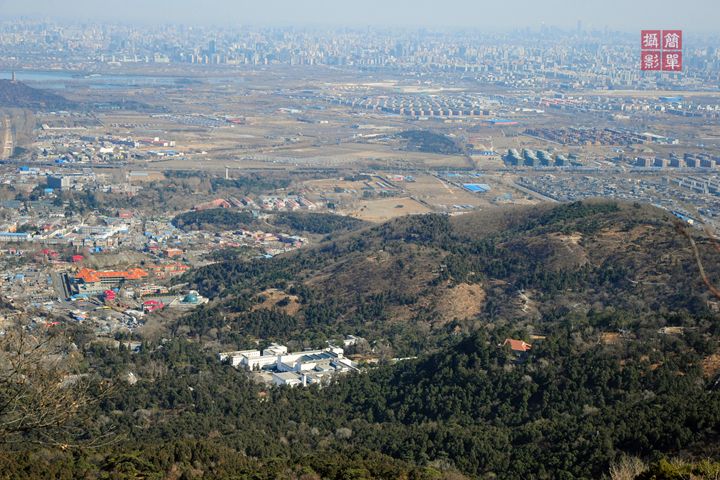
[[14, 78], [304, 380]]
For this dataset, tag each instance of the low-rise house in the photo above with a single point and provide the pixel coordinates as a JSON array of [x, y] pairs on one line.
[[519, 347]]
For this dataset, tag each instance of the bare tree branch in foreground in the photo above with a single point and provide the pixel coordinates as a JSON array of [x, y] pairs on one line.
[[40, 395]]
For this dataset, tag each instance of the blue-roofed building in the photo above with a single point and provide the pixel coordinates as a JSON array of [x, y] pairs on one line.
[[14, 237], [477, 187], [12, 204]]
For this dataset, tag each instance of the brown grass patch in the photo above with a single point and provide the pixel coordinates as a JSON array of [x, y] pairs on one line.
[[273, 297], [461, 301], [711, 365]]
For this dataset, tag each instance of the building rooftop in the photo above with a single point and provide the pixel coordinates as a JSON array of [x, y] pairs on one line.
[[88, 275], [315, 357], [517, 345]]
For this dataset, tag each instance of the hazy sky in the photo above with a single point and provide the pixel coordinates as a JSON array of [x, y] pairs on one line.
[[626, 15]]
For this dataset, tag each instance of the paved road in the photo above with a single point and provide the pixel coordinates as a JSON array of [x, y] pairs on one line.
[[61, 283], [8, 139]]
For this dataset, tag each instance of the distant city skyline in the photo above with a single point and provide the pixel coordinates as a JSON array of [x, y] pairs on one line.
[[618, 15]]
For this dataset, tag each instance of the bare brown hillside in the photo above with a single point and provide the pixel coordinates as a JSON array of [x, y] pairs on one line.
[[433, 275]]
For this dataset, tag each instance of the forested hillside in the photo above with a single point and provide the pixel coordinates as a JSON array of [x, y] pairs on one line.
[[326, 224], [568, 410], [623, 360], [318, 223], [19, 95], [413, 283]]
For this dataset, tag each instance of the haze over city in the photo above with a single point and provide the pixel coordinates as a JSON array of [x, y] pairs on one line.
[[692, 15]]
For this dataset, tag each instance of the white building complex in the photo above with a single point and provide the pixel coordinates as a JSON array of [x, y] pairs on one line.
[[298, 368]]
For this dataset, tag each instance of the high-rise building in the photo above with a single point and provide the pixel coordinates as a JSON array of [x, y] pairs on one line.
[[59, 183], [645, 161], [579, 31], [211, 48]]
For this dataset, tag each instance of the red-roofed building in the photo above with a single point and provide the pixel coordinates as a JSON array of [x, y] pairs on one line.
[[92, 281], [171, 269], [172, 252], [152, 305], [518, 346]]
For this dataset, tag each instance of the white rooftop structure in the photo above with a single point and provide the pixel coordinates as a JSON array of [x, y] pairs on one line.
[[292, 367]]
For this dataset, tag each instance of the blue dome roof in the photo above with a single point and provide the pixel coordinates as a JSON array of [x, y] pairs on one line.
[[190, 298]]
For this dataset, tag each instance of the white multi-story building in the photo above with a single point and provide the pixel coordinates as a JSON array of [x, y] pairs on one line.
[[252, 359], [305, 367]]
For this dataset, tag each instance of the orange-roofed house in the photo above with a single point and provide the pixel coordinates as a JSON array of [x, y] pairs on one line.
[[92, 281], [519, 347], [170, 269]]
